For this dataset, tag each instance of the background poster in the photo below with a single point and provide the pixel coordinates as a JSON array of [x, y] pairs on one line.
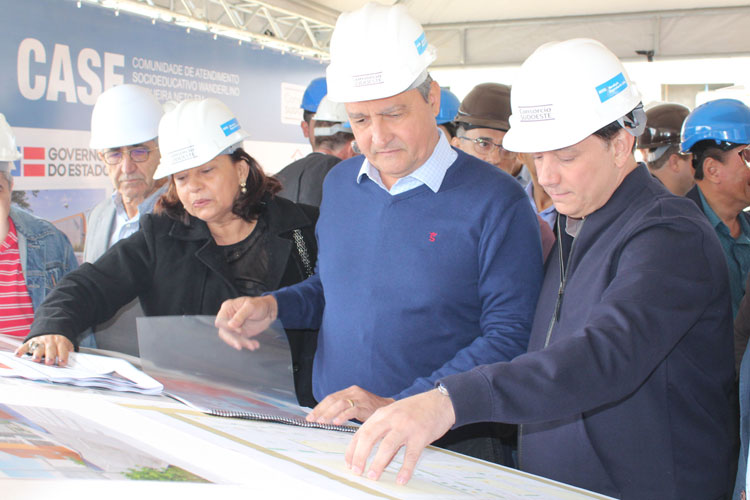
[[58, 57]]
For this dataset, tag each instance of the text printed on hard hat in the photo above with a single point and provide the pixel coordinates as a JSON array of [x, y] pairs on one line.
[[184, 154], [368, 79], [612, 87], [536, 113]]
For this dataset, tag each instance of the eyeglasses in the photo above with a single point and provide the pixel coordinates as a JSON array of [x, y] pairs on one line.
[[138, 155], [484, 146]]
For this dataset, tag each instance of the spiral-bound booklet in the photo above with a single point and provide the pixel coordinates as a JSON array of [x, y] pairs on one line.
[[185, 354]]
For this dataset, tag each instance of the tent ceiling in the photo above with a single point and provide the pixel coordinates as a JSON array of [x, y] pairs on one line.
[[486, 32]]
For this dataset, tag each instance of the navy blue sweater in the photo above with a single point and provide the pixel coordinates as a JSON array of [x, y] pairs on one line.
[[419, 285], [626, 392]]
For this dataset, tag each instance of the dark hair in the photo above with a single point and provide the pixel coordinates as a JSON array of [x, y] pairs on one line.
[[608, 132], [335, 141], [260, 189], [672, 149], [708, 149], [451, 128], [332, 142], [307, 116]]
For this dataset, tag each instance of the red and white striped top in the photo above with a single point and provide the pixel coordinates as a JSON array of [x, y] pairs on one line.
[[16, 311]]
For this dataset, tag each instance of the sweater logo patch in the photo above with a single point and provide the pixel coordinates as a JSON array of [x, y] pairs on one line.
[[432, 236]]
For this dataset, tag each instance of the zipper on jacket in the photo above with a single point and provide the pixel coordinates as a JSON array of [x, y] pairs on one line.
[[558, 304]]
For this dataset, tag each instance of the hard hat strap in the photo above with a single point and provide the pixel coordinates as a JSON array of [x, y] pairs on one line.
[[231, 149], [419, 80], [635, 121]]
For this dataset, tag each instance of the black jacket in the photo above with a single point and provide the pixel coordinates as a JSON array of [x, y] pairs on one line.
[[303, 179], [177, 269]]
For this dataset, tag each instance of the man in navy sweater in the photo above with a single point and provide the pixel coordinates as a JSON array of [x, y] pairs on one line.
[[626, 386], [429, 259]]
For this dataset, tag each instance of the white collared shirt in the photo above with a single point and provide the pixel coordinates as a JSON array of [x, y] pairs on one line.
[[432, 172]]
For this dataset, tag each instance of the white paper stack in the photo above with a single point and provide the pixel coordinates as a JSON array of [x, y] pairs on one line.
[[86, 370]]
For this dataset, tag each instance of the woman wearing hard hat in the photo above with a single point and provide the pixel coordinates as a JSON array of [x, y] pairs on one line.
[[220, 232]]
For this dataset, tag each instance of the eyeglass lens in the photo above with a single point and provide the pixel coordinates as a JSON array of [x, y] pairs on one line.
[[485, 146], [136, 154]]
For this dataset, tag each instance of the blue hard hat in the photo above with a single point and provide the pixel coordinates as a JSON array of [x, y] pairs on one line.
[[313, 94], [722, 120], [449, 104]]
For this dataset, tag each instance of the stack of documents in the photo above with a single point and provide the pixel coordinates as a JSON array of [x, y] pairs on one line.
[[86, 370]]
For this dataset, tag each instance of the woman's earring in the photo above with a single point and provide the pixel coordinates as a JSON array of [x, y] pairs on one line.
[[243, 187]]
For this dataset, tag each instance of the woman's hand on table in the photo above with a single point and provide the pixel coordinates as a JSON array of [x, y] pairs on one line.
[[50, 349]]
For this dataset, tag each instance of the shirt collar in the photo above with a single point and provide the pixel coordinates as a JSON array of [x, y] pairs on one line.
[[432, 172], [144, 207], [716, 222]]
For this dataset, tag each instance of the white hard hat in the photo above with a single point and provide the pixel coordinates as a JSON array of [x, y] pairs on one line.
[[376, 52], [331, 111], [195, 132], [124, 115], [8, 150], [566, 91]]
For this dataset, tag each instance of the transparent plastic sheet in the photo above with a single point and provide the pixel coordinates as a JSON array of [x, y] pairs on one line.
[[191, 345], [197, 368]]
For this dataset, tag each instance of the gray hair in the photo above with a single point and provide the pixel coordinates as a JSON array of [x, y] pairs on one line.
[[424, 87], [422, 84]]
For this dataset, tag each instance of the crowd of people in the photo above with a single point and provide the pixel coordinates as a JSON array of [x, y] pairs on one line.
[[498, 276]]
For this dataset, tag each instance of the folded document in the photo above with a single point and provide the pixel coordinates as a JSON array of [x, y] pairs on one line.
[[86, 370]]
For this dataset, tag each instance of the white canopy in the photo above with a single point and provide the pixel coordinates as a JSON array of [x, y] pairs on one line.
[[475, 33], [491, 32]]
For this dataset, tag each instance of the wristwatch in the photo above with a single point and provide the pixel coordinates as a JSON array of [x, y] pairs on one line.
[[442, 389]]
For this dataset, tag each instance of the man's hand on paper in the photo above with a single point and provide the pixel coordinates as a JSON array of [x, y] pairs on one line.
[[244, 317], [351, 403], [53, 348], [414, 422]]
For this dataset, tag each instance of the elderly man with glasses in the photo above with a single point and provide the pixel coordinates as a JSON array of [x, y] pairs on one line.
[[124, 126], [124, 129], [482, 123]]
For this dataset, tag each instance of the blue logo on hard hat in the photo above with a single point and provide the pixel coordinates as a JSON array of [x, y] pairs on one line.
[[421, 43], [230, 127], [612, 87]]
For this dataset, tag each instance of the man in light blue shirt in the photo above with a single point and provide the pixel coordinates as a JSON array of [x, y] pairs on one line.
[[124, 129]]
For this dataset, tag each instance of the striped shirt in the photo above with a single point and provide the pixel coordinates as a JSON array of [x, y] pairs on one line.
[[16, 311]]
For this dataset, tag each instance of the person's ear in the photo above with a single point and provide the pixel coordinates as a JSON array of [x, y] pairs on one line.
[[712, 169], [622, 143], [433, 98], [673, 163], [243, 170]]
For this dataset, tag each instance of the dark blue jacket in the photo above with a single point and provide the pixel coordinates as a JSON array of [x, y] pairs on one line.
[[625, 391]]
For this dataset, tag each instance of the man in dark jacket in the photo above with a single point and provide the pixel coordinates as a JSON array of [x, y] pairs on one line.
[[625, 389], [302, 180]]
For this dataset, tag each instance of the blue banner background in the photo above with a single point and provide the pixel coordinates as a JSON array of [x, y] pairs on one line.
[[261, 72]]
